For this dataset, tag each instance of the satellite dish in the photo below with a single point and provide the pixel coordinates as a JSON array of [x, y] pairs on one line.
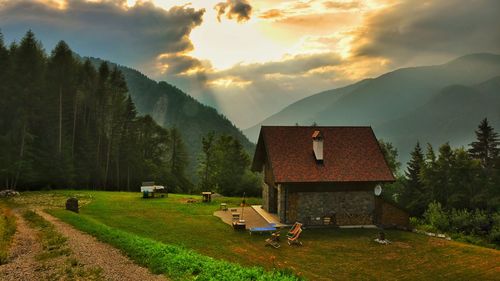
[[378, 190]]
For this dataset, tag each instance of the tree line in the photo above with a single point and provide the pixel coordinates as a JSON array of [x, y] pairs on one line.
[[66, 124], [453, 189], [224, 167]]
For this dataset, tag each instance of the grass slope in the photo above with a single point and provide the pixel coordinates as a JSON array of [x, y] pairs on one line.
[[7, 230], [177, 262], [347, 254]]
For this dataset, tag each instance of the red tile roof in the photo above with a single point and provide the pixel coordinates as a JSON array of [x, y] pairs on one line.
[[351, 154]]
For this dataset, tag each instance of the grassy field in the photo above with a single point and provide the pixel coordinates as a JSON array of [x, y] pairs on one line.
[[326, 254], [7, 230]]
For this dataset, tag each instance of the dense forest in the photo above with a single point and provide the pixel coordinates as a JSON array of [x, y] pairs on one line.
[[454, 189], [64, 123], [171, 107]]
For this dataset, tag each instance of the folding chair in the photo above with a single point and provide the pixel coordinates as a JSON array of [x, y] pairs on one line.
[[274, 240], [296, 226], [294, 240]]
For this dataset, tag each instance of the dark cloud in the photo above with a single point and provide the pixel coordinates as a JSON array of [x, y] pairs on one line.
[[421, 32], [342, 5], [133, 36], [238, 9]]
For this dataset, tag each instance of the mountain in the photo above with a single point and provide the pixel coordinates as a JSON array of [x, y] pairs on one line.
[[430, 103], [170, 107], [451, 116]]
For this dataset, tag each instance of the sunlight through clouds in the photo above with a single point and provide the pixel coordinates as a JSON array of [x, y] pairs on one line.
[[255, 57]]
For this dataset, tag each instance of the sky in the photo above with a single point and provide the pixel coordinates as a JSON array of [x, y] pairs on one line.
[[251, 58]]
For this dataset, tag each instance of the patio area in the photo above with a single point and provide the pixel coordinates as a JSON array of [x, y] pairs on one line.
[[254, 216]]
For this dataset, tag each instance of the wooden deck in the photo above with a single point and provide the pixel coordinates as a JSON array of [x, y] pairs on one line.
[[270, 218]]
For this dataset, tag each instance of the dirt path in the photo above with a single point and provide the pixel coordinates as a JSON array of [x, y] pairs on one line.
[[89, 259], [25, 247], [89, 251]]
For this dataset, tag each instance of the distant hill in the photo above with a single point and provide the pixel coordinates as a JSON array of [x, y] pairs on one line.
[[430, 103], [171, 107]]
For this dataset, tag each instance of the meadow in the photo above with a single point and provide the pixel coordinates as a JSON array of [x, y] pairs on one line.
[[326, 254]]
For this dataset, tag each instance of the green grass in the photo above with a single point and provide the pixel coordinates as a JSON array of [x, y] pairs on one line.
[[348, 254], [177, 262], [7, 230]]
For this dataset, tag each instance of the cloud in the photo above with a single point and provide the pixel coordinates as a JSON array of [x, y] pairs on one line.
[[421, 32], [272, 14], [247, 93], [294, 65], [133, 36], [342, 5], [238, 9]]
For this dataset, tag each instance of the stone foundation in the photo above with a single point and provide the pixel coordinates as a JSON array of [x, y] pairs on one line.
[[343, 207]]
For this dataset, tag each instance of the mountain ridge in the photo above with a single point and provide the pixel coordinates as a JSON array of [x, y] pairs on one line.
[[381, 101], [171, 107]]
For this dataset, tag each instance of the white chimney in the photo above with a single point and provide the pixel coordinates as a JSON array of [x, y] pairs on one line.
[[318, 145]]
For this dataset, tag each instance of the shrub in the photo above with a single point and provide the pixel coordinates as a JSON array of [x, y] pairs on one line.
[[415, 222], [460, 221], [481, 224], [437, 217], [494, 235]]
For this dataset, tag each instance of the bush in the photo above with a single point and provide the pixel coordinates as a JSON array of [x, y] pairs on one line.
[[437, 217], [415, 222], [481, 224], [494, 235], [460, 221]]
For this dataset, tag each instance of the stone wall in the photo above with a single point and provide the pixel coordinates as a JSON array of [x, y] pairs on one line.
[[344, 207]]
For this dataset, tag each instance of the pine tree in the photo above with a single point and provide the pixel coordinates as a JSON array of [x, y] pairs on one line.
[[206, 164], [486, 147], [178, 157], [413, 195], [28, 70], [231, 164], [414, 169], [429, 176], [391, 156]]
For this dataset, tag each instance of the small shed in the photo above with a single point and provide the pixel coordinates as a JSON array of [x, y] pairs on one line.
[[207, 196]]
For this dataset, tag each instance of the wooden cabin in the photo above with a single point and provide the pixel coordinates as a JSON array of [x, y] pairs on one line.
[[325, 176]]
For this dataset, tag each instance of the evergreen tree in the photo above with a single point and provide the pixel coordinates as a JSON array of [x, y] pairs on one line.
[[428, 173], [414, 194], [178, 160], [28, 72], [64, 124], [468, 190], [231, 164], [486, 147], [207, 162], [391, 156]]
